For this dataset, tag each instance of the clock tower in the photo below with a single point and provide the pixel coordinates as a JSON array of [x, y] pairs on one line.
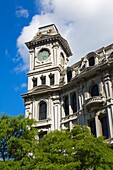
[[49, 53]]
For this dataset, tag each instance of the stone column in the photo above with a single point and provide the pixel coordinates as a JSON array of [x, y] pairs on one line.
[[49, 111], [33, 109], [55, 53], [62, 108], [56, 113], [96, 60], [109, 108], [32, 59], [28, 110], [98, 126], [108, 86], [47, 79], [70, 109], [110, 124], [62, 112], [86, 63], [80, 101], [71, 125]]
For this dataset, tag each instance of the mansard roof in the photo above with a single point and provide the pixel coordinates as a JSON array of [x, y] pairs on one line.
[[42, 39]]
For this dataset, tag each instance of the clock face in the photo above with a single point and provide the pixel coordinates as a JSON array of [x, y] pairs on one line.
[[43, 55]]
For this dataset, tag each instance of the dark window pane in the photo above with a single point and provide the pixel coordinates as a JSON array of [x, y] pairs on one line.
[[74, 102], [91, 61], [51, 79], [66, 106], [43, 80], [62, 58], [92, 126], [34, 81], [111, 55], [66, 125], [94, 91], [69, 76], [42, 110], [41, 135], [104, 126]]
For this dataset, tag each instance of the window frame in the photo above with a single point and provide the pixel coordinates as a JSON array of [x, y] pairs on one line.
[[74, 102], [91, 61], [66, 105], [34, 80], [94, 90], [43, 80], [42, 110], [52, 79], [104, 125], [92, 125], [69, 75]]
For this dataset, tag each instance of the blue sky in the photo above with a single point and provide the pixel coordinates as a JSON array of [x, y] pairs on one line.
[[12, 83], [86, 24]]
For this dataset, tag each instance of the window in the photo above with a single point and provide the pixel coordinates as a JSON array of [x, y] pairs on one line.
[[104, 124], [42, 110], [91, 61], [34, 81], [66, 125], [69, 76], [111, 55], [74, 102], [43, 79], [51, 76], [66, 106], [62, 58], [92, 126], [94, 90], [41, 134]]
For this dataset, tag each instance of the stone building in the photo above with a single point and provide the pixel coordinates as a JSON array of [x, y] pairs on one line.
[[59, 95]]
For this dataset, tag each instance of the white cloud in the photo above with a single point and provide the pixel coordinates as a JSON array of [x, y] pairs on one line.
[[23, 85], [6, 53], [21, 12], [20, 87], [86, 24]]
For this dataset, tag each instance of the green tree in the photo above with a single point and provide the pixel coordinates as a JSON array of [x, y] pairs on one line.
[[75, 150], [17, 141], [65, 150], [55, 151], [93, 153]]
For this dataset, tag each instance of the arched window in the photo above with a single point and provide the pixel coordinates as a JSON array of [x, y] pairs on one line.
[[42, 110], [74, 102], [94, 90], [66, 106], [69, 76], [91, 61]]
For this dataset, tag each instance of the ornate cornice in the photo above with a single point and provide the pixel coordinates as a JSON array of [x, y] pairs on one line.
[[46, 39]]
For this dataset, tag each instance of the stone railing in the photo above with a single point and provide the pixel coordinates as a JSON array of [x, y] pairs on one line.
[[44, 122], [95, 102]]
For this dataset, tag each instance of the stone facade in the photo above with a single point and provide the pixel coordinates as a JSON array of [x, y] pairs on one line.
[[59, 95]]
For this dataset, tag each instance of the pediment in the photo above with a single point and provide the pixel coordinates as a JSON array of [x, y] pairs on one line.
[[41, 88], [91, 54]]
